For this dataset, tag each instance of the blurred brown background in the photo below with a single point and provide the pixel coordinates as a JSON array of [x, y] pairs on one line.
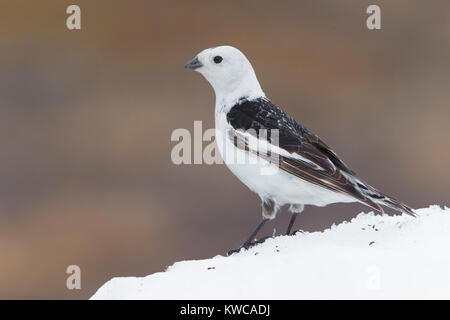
[[86, 118]]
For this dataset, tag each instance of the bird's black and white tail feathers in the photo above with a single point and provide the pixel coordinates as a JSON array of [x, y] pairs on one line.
[[376, 199]]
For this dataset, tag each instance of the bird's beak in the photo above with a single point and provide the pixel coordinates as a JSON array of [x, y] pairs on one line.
[[193, 64]]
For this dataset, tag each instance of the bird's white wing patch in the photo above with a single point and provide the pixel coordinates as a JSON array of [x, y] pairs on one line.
[[259, 143]]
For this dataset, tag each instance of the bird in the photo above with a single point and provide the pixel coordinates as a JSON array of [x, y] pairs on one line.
[[306, 171]]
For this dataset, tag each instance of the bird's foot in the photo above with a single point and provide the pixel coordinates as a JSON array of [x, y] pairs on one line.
[[295, 232], [233, 251], [248, 245]]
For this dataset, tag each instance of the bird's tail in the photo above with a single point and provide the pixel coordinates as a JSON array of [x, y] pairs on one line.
[[395, 204], [376, 197]]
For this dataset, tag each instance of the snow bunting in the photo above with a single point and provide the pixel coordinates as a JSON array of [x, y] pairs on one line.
[[308, 171]]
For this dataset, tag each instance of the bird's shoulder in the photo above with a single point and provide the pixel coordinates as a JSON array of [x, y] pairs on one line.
[[261, 113]]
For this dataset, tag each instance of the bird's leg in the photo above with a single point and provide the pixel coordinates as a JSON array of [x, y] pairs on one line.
[[252, 236], [291, 223], [247, 243], [269, 210], [295, 209]]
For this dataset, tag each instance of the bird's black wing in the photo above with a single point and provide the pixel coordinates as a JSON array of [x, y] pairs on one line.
[[320, 165], [293, 137]]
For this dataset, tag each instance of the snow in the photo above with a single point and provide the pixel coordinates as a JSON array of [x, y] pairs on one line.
[[370, 257]]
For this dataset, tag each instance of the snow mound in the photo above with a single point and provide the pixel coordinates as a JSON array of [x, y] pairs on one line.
[[370, 257]]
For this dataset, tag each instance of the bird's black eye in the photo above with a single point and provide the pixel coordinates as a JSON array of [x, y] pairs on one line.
[[218, 59]]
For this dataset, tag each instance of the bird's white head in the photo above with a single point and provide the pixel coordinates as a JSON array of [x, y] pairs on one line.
[[229, 72]]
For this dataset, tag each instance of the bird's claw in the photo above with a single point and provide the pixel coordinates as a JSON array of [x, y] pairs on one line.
[[232, 251], [248, 245], [295, 232]]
